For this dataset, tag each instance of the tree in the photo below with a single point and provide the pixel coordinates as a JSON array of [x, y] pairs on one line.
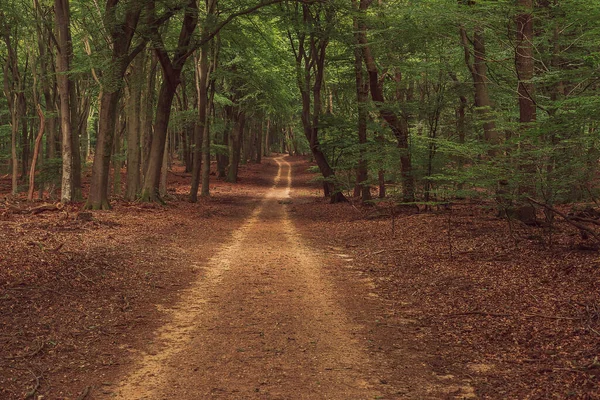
[[386, 113], [121, 28], [309, 47]]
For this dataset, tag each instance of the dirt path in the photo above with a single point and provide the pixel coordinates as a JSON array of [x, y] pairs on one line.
[[261, 322]]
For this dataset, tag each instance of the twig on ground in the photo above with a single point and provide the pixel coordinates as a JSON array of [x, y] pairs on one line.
[[85, 393], [487, 314], [567, 218], [36, 387]]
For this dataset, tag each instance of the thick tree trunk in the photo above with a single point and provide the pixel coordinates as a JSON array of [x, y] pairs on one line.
[[61, 9], [133, 129], [157, 149], [98, 197], [524, 63], [117, 160], [146, 111], [121, 34]]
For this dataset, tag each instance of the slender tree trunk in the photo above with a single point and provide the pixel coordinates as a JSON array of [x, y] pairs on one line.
[[36, 152], [162, 191], [478, 69], [13, 147], [267, 146], [236, 144], [75, 140], [362, 188], [259, 142], [202, 93]]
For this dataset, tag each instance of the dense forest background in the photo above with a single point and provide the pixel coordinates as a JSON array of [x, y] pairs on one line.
[[426, 100]]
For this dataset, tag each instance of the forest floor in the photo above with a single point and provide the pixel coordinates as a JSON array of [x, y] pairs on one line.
[[266, 291]]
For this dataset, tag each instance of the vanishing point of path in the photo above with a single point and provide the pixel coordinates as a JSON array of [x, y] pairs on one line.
[[262, 322]]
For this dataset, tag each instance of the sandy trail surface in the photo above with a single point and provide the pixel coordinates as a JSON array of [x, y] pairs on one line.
[[261, 321]]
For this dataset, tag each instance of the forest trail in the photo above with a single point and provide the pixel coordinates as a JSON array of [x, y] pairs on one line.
[[261, 322]]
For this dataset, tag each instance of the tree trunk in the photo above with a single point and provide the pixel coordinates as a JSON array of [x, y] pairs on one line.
[[75, 140], [310, 59], [259, 143], [36, 152], [478, 70], [133, 129], [267, 146], [61, 9], [202, 93], [162, 188], [362, 188], [117, 160], [524, 63], [146, 111], [163, 113], [235, 149], [121, 33], [107, 119], [13, 147]]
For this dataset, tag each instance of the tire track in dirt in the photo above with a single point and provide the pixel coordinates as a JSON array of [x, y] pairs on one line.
[[262, 322]]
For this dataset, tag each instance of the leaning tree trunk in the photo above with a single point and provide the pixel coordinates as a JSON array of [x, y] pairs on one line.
[[36, 152], [386, 113]]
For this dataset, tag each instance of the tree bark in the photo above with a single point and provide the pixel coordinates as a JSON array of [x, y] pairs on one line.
[[527, 107], [36, 152], [362, 188], [202, 92], [61, 9], [133, 129], [478, 70], [236, 146]]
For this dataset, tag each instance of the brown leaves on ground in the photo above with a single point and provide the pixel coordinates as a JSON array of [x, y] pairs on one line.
[[76, 292], [491, 304], [483, 304]]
